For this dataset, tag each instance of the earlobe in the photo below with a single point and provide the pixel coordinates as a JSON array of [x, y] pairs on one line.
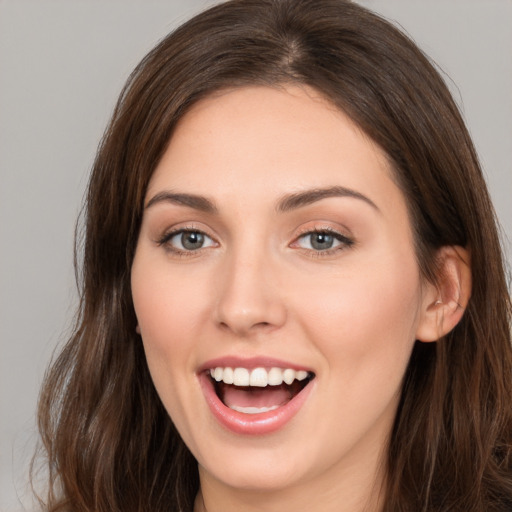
[[445, 301]]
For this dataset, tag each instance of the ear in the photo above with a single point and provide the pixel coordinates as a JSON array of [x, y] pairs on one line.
[[137, 329], [444, 302]]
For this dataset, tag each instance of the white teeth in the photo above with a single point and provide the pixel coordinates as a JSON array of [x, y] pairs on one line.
[[258, 377], [253, 410], [275, 377], [301, 375], [241, 377], [289, 376], [227, 375]]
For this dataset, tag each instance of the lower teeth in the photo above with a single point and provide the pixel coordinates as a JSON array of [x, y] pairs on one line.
[[253, 410]]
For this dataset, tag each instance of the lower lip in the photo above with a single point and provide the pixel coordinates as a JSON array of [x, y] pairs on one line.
[[252, 424]]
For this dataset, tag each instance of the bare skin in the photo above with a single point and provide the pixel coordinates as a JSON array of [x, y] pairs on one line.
[[273, 228]]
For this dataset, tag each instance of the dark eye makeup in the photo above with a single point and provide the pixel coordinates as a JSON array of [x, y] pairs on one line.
[[185, 240], [323, 241], [317, 242]]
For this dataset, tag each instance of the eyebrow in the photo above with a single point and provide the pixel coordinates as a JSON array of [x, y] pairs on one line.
[[300, 199], [200, 203], [285, 204]]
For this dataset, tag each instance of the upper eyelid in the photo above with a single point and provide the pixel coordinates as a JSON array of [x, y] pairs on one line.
[[343, 233], [171, 232], [164, 241], [321, 229], [167, 234], [177, 227], [345, 239], [339, 236]]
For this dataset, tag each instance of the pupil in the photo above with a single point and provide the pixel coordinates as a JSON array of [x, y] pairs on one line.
[[192, 240], [321, 241]]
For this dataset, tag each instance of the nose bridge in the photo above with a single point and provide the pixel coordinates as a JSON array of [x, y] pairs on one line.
[[249, 299]]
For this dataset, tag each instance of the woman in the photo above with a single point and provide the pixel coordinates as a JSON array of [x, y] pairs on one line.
[[293, 290]]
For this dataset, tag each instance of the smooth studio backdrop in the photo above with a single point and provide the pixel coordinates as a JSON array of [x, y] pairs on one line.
[[62, 65]]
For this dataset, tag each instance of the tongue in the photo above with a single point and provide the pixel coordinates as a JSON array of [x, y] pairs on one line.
[[270, 396]]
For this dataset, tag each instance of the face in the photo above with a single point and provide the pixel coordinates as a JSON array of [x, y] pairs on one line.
[[275, 245]]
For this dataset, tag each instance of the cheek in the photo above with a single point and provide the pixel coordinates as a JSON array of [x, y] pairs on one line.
[[168, 308], [164, 299], [365, 318]]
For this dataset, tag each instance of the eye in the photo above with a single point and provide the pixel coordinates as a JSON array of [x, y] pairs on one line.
[[187, 240], [323, 241]]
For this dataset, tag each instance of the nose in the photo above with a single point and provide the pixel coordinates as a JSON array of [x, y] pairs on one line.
[[250, 298]]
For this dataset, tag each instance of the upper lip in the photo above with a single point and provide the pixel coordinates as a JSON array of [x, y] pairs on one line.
[[251, 363]]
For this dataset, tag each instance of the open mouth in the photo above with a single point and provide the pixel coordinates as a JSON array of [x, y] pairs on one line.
[[258, 390]]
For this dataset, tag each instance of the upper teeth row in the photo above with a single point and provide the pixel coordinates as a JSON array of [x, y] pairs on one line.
[[258, 377]]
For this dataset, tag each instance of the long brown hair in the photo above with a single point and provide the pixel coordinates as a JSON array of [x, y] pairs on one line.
[[110, 444]]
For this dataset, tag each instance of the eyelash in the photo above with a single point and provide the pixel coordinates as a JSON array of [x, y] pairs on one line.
[[168, 236], [344, 242]]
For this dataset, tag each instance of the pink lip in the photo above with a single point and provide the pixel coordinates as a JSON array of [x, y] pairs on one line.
[[250, 424]]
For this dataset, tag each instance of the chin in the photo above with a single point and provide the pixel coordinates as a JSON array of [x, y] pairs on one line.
[[260, 474]]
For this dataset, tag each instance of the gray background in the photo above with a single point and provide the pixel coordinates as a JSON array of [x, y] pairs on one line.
[[62, 64]]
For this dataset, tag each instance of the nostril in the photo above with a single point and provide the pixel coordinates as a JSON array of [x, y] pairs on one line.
[[262, 324], [244, 327]]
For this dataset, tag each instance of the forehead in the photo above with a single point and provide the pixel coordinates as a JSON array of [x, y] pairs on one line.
[[266, 140]]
